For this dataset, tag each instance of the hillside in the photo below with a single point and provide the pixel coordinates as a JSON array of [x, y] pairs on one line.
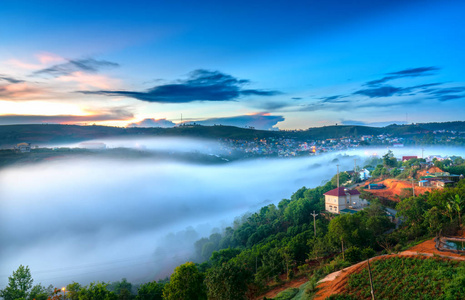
[[397, 276], [58, 134]]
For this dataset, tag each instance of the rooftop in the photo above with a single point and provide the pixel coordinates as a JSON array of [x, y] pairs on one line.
[[341, 191]]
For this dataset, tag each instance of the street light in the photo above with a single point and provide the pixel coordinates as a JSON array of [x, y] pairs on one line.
[[64, 291]]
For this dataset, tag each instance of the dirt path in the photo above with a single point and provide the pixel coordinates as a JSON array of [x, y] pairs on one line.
[[291, 284]]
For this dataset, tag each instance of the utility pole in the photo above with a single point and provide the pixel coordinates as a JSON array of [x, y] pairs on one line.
[[422, 150], [371, 281], [355, 165], [314, 223], [337, 176]]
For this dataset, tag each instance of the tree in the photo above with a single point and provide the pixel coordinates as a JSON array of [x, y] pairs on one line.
[[38, 292], [18, 284], [121, 288], [389, 160], [150, 291], [96, 291], [73, 291], [457, 204], [228, 282], [185, 283]]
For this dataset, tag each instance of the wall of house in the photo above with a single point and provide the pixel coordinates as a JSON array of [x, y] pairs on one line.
[[335, 204]]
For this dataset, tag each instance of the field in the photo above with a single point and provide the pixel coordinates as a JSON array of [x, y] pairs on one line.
[[409, 278]]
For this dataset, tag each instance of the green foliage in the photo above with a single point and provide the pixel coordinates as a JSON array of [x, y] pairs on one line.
[[404, 277], [228, 282], [389, 161], [38, 292], [120, 287], [342, 297], [224, 255], [150, 291], [185, 283], [360, 229], [353, 254], [380, 170], [73, 290], [287, 294], [19, 284], [96, 291]]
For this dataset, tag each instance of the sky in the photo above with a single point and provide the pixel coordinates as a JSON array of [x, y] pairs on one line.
[[265, 64]]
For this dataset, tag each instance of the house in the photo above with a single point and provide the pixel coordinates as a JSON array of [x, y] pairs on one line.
[[341, 198], [23, 147], [364, 174], [424, 183]]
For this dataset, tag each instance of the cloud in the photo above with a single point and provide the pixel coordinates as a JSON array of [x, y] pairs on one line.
[[271, 105], [46, 58], [334, 99], [372, 124], [20, 90], [109, 115], [88, 65], [153, 123], [447, 93], [414, 72], [10, 79], [201, 85], [87, 213], [263, 121], [384, 91], [388, 91], [86, 80]]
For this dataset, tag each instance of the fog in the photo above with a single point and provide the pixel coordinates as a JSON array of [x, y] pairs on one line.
[[88, 220], [162, 144]]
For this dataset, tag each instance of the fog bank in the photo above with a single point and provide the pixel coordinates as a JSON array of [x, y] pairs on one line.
[[88, 220]]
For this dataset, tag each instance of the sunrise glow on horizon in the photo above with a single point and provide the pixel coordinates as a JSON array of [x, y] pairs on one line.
[[268, 65]]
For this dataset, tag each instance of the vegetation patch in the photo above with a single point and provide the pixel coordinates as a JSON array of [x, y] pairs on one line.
[[409, 278]]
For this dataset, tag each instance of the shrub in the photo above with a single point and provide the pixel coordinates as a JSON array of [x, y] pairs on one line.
[[353, 254]]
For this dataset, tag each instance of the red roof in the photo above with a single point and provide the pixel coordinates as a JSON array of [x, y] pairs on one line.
[[404, 158], [341, 191]]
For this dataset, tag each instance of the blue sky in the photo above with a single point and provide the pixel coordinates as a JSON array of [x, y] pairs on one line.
[[266, 64]]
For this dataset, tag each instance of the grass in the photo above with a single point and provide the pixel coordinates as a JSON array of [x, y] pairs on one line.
[[287, 294]]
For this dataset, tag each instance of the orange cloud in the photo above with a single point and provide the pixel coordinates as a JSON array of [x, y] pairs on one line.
[[22, 65], [18, 90], [47, 58], [90, 80]]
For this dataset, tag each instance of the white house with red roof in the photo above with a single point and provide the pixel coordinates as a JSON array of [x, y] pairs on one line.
[[341, 198]]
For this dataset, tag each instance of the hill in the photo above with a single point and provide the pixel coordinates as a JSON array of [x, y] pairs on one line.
[[399, 276], [59, 134]]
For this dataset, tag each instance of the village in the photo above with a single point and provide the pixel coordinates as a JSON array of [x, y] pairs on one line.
[[289, 147], [425, 176]]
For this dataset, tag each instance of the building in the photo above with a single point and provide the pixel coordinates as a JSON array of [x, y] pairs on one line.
[[406, 158], [341, 198], [23, 147], [364, 174]]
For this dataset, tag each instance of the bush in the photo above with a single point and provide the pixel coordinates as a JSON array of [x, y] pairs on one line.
[[368, 253], [353, 254]]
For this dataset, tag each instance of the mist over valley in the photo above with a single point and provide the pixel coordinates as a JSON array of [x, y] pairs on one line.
[[99, 218]]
